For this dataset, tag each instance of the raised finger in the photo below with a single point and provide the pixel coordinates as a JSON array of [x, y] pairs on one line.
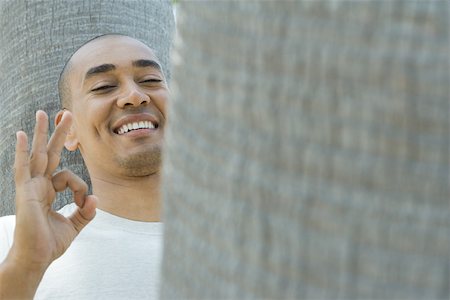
[[22, 159], [38, 159], [66, 179], [56, 143]]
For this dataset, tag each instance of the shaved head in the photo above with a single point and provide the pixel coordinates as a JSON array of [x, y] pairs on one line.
[[64, 89]]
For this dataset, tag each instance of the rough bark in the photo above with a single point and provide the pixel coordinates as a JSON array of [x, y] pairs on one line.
[[308, 151]]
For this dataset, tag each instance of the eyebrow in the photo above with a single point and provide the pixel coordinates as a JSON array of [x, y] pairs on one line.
[[141, 63], [99, 69], [146, 63]]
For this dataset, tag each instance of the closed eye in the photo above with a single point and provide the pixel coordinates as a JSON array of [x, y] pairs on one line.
[[151, 80], [103, 88]]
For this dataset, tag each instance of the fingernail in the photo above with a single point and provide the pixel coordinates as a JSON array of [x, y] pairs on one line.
[[38, 112], [64, 115], [18, 133]]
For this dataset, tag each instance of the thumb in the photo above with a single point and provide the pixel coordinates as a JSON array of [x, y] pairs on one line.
[[83, 215]]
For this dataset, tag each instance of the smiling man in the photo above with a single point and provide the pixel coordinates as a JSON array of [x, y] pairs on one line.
[[114, 95], [117, 92]]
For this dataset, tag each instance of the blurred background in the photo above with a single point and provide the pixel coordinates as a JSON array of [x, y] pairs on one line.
[[308, 154]]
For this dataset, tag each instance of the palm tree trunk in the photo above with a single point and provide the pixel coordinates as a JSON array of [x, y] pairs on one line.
[[308, 152]]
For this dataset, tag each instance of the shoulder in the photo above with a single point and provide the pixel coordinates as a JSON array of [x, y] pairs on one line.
[[7, 225]]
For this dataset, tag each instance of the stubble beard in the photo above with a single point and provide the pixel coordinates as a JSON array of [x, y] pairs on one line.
[[142, 164]]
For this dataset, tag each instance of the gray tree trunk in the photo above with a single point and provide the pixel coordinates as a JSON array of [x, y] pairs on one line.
[[308, 151], [36, 39]]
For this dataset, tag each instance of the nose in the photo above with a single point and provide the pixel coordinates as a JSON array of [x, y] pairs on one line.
[[132, 96]]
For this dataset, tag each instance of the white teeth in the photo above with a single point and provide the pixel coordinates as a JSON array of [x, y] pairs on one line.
[[135, 125], [149, 124]]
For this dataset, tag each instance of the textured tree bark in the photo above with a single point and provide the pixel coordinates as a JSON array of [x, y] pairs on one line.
[[36, 39], [308, 151]]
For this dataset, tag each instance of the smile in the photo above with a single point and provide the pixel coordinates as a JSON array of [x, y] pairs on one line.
[[135, 126]]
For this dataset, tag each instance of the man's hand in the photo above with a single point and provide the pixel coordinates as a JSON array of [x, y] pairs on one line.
[[41, 235]]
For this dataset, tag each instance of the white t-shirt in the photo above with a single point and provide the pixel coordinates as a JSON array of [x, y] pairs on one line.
[[112, 258]]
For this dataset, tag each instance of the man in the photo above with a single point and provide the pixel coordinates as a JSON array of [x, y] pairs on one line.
[[114, 95]]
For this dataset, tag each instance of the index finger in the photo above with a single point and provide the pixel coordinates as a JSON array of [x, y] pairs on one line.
[[66, 179], [56, 143]]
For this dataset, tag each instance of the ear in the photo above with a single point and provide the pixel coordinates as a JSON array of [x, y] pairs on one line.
[[71, 142]]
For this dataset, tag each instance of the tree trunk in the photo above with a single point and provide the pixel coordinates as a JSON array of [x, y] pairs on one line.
[[308, 151], [37, 38]]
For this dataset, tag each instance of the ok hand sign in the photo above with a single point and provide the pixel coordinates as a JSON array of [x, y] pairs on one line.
[[41, 234]]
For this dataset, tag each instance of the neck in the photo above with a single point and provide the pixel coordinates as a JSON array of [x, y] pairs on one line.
[[134, 198]]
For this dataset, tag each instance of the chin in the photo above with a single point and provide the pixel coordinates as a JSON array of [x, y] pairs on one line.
[[141, 164]]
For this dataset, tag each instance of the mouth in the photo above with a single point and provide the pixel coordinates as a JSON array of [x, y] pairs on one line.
[[135, 126], [130, 124]]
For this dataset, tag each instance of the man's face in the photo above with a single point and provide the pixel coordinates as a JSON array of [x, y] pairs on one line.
[[119, 98]]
